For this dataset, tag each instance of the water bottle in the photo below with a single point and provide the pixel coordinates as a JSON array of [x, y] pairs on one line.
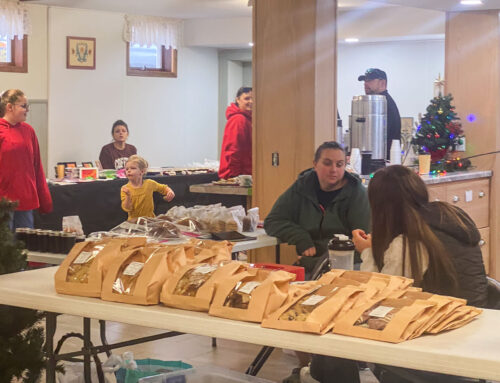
[[341, 252]]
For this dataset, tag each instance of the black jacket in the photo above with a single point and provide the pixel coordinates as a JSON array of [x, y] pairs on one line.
[[393, 122], [462, 245]]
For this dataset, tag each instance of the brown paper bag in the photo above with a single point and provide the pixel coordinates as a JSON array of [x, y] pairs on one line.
[[140, 275], [459, 317], [251, 295], [83, 270], [192, 287], [445, 305], [386, 284], [385, 320], [314, 311]]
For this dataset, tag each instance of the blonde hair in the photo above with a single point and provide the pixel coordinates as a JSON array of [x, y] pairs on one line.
[[9, 97], [141, 162]]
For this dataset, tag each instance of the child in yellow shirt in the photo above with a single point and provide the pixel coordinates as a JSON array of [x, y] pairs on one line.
[[137, 195]]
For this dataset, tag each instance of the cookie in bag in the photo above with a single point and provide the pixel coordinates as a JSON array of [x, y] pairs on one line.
[[193, 287], [83, 270], [251, 295], [140, 275]]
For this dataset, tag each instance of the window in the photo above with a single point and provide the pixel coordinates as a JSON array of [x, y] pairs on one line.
[[151, 61], [14, 55]]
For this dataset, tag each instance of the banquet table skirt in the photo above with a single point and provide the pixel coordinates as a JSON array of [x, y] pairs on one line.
[[98, 203]]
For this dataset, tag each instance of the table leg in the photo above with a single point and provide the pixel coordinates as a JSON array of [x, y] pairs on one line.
[[259, 360], [104, 340], [50, 329], [86, 350], [278, 254]]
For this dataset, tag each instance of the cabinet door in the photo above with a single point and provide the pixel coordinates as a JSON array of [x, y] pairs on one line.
[[485, 247], [437, 192], [473, 197]]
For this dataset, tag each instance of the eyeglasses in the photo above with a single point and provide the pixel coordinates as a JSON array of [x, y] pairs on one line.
[[24, 106]]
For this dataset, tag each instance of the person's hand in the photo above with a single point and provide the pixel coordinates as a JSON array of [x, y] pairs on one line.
[[126, 191], [311, 252], [361, 240], [169, 196]]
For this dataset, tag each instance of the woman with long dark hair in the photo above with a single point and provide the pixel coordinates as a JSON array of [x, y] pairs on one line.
[[435, 243]]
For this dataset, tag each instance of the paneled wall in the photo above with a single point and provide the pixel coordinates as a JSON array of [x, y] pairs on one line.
[[294, 81], [472, 64]]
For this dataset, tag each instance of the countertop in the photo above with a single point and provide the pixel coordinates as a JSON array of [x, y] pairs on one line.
[[456, 176]]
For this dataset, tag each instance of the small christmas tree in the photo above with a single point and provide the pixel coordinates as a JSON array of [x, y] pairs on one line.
[[440, 130], [21, 339]]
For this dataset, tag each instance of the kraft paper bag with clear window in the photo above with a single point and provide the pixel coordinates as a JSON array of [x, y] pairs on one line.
[[251, 295]]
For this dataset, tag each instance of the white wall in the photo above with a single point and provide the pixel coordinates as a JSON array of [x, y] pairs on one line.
[[231, 32], [172, 121], [247, 74], [411, 67]]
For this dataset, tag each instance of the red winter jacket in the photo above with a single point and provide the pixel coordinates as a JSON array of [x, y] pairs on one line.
[[21, 173], [236, 152]]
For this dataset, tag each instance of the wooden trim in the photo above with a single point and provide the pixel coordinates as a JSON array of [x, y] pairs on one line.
[[19, 50], [168, 63]]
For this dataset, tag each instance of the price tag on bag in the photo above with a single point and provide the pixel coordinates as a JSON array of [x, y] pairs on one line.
[[381, 311], [133, 268], [83, 257], [313, 300], [249, 287]]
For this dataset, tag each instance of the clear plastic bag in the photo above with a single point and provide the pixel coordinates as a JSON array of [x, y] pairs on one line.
[[72, 224]]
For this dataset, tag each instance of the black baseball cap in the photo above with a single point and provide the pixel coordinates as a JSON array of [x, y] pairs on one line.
[[372, 74]]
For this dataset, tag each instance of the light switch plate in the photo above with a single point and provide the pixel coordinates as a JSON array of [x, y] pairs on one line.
[[468, 195], [461, 148]]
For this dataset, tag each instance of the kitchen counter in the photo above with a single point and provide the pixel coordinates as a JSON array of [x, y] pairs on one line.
[[456, 176]]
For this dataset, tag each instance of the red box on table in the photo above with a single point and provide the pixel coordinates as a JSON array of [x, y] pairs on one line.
[[297, 270]]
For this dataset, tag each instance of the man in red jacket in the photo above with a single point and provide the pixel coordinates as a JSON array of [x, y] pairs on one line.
[[21, 173], [236, 152]]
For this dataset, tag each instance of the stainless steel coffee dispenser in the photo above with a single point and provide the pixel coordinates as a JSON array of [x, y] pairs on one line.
[[368, 130]]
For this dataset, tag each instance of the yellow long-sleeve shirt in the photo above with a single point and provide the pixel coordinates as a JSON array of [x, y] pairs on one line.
[[142, 198]]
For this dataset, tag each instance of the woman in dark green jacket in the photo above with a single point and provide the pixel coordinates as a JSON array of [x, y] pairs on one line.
[[324, 201]]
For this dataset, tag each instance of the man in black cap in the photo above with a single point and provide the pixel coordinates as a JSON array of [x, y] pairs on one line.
[[376, 83]]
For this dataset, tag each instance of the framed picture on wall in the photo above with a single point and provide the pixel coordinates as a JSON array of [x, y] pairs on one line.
[[80, 52]]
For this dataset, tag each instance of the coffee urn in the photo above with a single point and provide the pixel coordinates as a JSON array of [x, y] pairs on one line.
[[368, 130]]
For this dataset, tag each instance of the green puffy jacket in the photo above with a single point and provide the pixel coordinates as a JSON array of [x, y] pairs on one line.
[[297, 218]]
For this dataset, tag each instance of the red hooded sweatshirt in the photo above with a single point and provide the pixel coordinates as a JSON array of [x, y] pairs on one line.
[[236, 152], [21, 173]]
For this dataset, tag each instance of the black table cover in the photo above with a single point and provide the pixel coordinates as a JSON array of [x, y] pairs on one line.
[[98, 203]]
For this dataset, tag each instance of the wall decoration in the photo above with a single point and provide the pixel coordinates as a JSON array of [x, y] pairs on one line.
[[80, 52]]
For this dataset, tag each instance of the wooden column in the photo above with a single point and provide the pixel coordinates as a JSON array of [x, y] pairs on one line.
[[472, 67], [294, 81]]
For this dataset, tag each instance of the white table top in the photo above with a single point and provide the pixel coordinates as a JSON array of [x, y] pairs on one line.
[[473, 350], [263, 240]]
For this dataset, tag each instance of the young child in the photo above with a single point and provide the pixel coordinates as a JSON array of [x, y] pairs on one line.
[[137, 195]]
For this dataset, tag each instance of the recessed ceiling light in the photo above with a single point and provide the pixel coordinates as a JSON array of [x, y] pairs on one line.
[[351, 40], [250, 43], [471, 2]]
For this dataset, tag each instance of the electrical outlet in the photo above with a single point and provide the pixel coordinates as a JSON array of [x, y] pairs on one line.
[[461, 148]]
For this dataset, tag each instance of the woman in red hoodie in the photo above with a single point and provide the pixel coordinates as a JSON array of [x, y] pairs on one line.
[[21, 172], [236, 152]]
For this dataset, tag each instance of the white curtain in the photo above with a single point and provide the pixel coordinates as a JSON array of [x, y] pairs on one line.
[[149, 30], [14, 19]]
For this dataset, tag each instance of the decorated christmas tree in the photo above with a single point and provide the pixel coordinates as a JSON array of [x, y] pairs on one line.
[[440, 130], [21, 338]]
